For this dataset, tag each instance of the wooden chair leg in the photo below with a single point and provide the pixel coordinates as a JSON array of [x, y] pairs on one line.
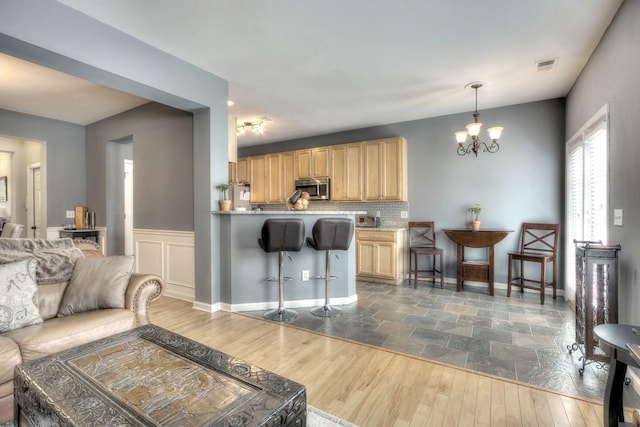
[[543, 280], [555, 278], [441, 272], [410, 269], [433, 266], [415, 271], [521, 276], [509, 277]]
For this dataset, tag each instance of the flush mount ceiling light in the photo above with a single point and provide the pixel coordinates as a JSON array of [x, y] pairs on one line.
[[473, 129]]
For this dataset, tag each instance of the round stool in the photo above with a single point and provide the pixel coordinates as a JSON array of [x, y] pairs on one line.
[[330, 234], [280, 235]]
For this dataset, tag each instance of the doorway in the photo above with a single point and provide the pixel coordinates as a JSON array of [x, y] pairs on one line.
[[34, 202], [23, 162], [128, 207]]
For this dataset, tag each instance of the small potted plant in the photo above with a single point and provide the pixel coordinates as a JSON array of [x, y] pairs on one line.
[[225, 202], [475, 210]]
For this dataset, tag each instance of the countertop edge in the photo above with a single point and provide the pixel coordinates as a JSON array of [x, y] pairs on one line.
[[289, 212]]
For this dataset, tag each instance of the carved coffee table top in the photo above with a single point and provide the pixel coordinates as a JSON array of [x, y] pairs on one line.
[[151, 376]]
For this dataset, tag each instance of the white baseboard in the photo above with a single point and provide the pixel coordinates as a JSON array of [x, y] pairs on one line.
[[209, 308], [496, 285], [274, 304]]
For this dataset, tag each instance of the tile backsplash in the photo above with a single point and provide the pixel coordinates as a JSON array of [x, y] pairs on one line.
[[389, 211]]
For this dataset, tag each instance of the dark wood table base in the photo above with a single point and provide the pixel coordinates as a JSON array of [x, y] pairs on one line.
[[474, 270], [613, 339]]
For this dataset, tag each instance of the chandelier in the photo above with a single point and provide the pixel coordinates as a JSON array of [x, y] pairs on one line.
[[473, 129], [257, 127]]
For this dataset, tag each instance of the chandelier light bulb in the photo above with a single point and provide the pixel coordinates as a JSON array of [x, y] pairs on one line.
[[461, 136], [474, 128], [495, 132]]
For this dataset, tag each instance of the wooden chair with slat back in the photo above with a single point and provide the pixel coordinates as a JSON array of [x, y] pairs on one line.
[[422, 242], [538, 244]]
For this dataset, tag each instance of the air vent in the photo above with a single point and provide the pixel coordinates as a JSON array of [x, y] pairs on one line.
[[546, 64]]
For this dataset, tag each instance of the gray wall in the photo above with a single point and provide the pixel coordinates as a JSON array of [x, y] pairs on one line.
[[65, 159], [524, 181], [163, 169], [76, 44], [610, 76]]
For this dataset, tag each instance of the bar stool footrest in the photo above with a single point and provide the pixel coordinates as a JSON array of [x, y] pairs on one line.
[[275, 279]]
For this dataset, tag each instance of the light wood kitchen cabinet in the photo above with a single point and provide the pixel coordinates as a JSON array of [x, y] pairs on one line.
[[312, 162], [288, 174], [242, 170], [258, 167], [231, 170], [346, 172], [385, 169], [270, 176], [380, 256], [273, 178]]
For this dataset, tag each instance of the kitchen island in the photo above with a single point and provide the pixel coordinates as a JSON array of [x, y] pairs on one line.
[[245, 267]]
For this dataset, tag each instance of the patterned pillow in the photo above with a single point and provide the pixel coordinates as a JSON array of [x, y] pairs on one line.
[[18, 295]]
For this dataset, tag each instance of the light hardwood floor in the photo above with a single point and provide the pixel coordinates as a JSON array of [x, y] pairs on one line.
[[370, 386]]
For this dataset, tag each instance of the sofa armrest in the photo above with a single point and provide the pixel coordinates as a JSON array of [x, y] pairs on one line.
[[143, 289]]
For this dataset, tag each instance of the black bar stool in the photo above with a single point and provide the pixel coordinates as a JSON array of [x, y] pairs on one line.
[[330, 234], [280, 235]]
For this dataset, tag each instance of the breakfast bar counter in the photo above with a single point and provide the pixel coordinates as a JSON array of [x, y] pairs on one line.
[[245, 267]]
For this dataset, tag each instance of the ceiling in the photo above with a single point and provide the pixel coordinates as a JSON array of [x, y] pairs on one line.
[[315, 67], [32, 89]]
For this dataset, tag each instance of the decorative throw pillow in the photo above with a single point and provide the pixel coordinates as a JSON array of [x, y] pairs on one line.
[[18, 295], [97, 283]]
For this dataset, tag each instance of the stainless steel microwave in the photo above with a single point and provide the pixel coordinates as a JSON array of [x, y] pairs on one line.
[[318, 188]]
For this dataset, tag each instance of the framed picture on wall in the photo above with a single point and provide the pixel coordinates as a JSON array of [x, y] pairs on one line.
[[3, 188]]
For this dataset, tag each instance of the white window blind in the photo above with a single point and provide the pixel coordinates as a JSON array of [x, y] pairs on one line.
[[586, 189]]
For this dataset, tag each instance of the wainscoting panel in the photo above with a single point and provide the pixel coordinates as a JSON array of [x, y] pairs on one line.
[[169, 254]]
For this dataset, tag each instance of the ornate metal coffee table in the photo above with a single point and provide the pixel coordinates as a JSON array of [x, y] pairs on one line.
[[150, 376]]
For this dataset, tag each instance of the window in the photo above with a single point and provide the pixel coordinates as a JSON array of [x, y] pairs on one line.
[[587, 189]]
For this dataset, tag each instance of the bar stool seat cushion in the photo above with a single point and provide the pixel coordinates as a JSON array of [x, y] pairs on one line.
[[280, 234], [331, 234]]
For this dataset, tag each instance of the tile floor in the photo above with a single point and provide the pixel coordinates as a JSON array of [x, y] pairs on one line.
[[514, 338]]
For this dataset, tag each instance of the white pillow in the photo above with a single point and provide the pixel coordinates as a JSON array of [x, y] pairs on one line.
[[18, 295]]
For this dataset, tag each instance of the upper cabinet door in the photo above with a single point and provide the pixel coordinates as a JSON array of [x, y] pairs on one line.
[[303, 163], [312, 162], [274, 178], [320, 164], [346, 172], [242, 170], [288, 174], [258, 170], [385, 169]]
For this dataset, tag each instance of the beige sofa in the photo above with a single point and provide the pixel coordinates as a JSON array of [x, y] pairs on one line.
[[60, 333]]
